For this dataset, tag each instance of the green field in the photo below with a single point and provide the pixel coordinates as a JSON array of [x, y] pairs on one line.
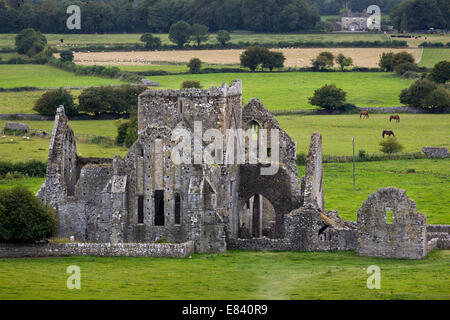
[[41, 76], [431, 56], [37, 149], [290, 90], [414, 132], [427, 186], [7, 40], [234, 275]]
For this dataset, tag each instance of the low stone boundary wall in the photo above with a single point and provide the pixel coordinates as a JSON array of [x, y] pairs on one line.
[[403, 109], [435, 152], [258, 244], [172, 250], [438, 228]]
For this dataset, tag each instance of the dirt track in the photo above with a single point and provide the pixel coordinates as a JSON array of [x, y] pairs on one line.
[[362, 57]]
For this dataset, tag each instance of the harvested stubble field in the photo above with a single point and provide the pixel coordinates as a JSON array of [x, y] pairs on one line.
[[362, 57]]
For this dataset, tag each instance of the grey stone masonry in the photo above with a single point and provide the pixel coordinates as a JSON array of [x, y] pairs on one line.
[[435, 152], [389, 226], [173, 250]]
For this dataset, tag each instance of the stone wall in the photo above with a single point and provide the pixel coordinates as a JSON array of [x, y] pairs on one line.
[[403, 236], [173, 250], [435, 152], [312, 182]]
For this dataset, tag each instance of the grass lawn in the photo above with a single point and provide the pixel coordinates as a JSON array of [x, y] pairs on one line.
[[431, 56], [427, 186], [7, 40], [41, 76], [414, 132], [289, 91], [234, 275], [37, 149]]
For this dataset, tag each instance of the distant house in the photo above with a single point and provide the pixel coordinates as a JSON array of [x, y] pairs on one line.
[[354, 21]]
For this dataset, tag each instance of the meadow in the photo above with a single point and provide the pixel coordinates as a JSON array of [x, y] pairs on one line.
[[42, 76], [290, 90], [236, 275], [80, 40], [414, 132], [431, 56]]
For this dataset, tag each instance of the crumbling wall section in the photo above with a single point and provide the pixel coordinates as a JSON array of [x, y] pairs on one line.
[[389, 226], [312, 182]]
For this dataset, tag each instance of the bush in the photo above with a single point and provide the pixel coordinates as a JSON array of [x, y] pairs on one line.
[[180, 33], [30, 42], [440, 72], [343, 61], [66, 56], [31, 168], [194, 65], [390, 145], [329, 97], [223, 37], [401, 68], [273, 60], [253, 57], [24, 218], [161, 240], [199, 33], [323, 61], [389, 61], [427, 95], [410, 75], [51, 100], [151, 42], [191, 84]]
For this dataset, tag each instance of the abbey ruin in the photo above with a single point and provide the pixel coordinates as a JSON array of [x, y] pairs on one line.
[[145, 196]]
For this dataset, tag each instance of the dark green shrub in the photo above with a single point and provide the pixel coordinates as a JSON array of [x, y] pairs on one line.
[[390, 145], [161, 240], [188, 84], [323, 61], [440, 72], [404, 67], [328, 97], [66, 55], [151, 42], [194, 65], [180, 33], [24, 218], [51, 100], [410, 75], [30, 42], [223, 37]]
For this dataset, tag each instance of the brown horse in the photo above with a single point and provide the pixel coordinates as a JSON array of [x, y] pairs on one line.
[[396, 118], [364, 114], [388, 133]]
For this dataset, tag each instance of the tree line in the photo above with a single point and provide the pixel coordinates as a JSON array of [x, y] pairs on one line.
[[49, 16]]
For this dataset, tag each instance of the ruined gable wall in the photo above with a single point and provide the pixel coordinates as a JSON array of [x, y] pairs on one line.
[[312, 182], [405, 237]]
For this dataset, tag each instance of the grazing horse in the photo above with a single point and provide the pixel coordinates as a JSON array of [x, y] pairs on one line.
[[388, 133], [364, 114], [396, 117]]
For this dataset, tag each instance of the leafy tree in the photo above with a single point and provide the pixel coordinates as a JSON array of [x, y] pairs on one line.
[[127, 132], [328, 97], [418, 91], [150, 41], [420, 15], [223, 37], [253, 57], [194, 65], [66, 55], [323, 61], [404, 67], [386, 61], [390, 145], [188, 84], [51, 100], [180, 33], [30, 42], [343, 61], [24, 218], [440, 72], [402, 57], [199, 33], [438, 99], [273, 60]]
